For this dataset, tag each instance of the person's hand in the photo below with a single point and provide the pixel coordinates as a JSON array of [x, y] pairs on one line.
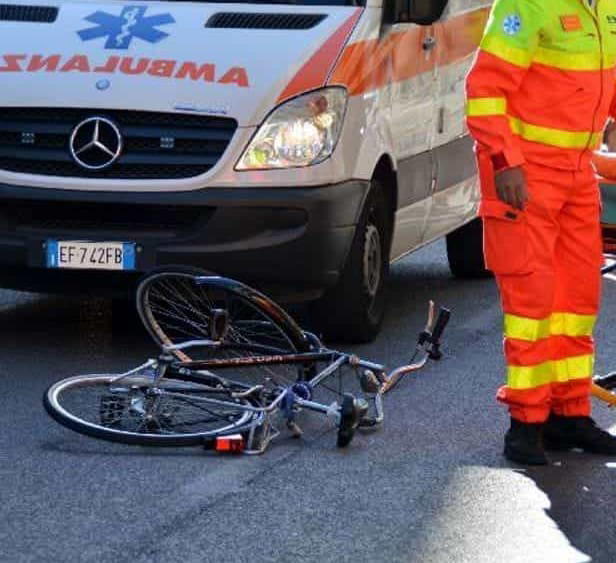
[[511, 187]]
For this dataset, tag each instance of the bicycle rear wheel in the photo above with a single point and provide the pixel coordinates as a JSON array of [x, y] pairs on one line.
[[175, 413], [177, 306]]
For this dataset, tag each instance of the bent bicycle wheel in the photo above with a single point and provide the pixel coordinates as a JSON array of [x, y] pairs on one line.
[[115, 408], [179, 306]]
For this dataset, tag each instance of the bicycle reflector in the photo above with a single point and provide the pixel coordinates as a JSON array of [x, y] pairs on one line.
[[233, 444]]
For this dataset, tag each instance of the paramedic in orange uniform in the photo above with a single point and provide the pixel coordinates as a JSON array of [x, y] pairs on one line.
[[538, 97]]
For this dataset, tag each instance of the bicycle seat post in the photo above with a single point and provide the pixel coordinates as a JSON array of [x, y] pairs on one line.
[[165, 359]]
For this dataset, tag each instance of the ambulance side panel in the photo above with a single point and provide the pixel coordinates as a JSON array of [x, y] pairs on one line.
[[455, 195]]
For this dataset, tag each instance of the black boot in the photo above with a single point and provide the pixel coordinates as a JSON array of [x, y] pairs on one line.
[[523, 443], [567, 432]]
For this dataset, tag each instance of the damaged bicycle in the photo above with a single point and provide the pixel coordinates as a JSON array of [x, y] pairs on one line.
[[234, 370]]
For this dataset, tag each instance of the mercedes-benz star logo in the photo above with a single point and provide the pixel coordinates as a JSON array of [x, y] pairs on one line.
[[95, 143]]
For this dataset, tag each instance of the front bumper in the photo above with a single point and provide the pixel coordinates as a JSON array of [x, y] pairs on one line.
[[285, 239]]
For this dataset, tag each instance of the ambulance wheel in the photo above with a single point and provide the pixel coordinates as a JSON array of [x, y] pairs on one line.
[[353, 310], [465, 251]]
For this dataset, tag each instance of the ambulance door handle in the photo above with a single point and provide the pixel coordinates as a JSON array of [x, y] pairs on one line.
[[428, 43]]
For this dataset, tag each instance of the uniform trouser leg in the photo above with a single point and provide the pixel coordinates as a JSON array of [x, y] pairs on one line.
[[579, 257], [546, 261]]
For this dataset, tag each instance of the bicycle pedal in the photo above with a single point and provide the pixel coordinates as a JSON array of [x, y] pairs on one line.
[[352, 411], [296, 431], [367, 422], [361, 407]]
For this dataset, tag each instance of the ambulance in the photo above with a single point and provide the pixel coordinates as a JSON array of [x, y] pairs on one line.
[[297, 146]]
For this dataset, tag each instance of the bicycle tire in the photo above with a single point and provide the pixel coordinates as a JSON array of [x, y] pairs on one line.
[[176, 278], [59, 412], [176, 306]]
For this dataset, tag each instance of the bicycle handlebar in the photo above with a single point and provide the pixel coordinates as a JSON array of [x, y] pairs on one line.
[[609, 268], [428, 344], [441, 322]]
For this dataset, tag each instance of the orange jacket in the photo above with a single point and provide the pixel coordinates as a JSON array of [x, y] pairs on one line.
[[542, 84]]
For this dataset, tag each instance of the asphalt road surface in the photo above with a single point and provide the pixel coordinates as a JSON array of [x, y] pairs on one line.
[[429, 486]]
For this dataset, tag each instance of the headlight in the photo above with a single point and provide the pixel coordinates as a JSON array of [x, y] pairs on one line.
[[300, 132]]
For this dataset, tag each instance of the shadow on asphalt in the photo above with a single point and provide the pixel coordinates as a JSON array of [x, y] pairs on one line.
[[409, 288], [29, 313], [95, 449], [580, 490]]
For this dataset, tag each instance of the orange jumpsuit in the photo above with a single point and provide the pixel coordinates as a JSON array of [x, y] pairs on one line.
[[538, 96]]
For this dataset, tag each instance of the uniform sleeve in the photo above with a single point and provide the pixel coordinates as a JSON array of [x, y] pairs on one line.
[[505, 53]]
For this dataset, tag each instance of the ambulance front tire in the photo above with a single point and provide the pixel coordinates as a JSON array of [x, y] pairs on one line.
[[353, 310], [465, 251]]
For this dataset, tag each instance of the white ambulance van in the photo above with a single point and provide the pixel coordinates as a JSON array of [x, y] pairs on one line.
[[299, 146]]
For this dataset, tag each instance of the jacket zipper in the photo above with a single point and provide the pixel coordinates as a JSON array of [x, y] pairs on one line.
[[595, 17]]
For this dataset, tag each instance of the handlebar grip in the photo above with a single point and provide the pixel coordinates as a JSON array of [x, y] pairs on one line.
[[609, 268], [606, 381], [441, 322]]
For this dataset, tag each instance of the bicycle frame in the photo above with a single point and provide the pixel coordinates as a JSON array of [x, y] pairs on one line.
[[152, 374], [373, 379]]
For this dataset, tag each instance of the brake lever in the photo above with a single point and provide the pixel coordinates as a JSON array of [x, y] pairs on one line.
[[430, 320], [426, 333]]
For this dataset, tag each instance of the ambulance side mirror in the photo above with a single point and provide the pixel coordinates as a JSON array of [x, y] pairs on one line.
[[421, 12]]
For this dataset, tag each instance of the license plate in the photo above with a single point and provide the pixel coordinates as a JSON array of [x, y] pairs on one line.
[[86, 255]]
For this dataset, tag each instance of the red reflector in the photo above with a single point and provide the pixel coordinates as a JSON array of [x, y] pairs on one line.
[[233, 443]]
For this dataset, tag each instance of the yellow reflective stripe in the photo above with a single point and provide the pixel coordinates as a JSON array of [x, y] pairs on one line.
[[478, 107], [554, 137], [498, 47], [563, 60], [570, 324], [557, 371], [522, 328], [566, 60], [565, 324]]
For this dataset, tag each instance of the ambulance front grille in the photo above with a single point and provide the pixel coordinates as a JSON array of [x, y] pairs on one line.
[[155, 145], [74, 217]]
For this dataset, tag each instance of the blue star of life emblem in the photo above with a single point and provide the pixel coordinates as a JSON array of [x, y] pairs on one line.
[[120, 30], [512, 24]]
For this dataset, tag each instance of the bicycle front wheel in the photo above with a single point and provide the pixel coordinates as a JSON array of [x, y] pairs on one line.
[[177, 306], [174, 413]]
